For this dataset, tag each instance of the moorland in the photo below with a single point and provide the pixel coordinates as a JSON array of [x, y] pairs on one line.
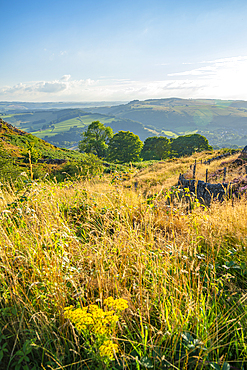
[[116, 267]]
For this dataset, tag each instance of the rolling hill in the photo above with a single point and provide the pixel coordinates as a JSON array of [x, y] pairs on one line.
[[224, 123]]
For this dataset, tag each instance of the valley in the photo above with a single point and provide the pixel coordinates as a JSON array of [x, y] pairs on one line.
[[223, 123]]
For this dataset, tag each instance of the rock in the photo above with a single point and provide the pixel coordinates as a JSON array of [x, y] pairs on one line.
[[204, 191]]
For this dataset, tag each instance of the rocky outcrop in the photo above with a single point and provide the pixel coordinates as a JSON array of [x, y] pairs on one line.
[[52, 160], [243, 154], [8, 127]]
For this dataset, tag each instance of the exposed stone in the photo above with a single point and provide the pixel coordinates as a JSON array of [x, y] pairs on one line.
[[204, 191], [52, 160], [6, 126]]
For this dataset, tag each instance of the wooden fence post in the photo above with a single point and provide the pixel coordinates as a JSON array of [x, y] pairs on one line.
[[194, 170], [224, 176], [207, 175]]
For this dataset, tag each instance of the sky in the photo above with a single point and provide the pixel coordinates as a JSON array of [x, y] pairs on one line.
[[121, 50]]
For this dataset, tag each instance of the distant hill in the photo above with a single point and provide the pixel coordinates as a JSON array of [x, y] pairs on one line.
[[14, 106], [64, 127], [223, 122]]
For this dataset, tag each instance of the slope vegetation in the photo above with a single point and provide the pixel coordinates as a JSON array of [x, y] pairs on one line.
[[95, 275], [23, 152]]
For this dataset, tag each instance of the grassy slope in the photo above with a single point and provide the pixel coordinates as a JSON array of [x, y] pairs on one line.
[[17, 141], [183, 274], [15, 145]]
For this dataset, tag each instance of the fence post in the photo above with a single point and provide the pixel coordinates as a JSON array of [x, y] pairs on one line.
[[224, 176], [194, 170], [207, 175]]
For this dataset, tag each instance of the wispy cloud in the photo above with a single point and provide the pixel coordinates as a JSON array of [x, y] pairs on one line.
[[202, 71], [216, 67], [65, 78], [224, 78]]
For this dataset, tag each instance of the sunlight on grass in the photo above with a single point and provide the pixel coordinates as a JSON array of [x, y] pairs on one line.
[[76, 244]]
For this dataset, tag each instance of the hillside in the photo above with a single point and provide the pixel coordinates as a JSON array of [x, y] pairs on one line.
[[18, 149]]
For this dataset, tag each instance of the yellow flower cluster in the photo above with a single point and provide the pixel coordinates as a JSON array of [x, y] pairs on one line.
[[93, 320], [116, 304], [108, 349]]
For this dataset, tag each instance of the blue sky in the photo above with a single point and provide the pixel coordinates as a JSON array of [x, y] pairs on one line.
[[108, 50]]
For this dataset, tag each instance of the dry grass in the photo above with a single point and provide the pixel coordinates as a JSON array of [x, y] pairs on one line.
[[164, 174], [81, 242]]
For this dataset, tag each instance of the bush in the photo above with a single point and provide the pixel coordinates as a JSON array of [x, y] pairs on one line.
[[89, 165]]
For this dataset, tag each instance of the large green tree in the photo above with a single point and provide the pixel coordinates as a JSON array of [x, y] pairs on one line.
[[188, 144], [125, 147], [95, 139], [156, 148]]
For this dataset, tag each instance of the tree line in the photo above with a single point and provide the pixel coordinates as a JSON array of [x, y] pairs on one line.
[[125, 146]]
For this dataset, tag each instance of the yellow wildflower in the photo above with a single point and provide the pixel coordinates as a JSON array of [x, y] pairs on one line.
[[108, 349], [92, 320], [117, 304]]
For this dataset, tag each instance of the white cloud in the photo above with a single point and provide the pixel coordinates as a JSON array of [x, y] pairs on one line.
[[224, 78], [50, 87], [46, 87]]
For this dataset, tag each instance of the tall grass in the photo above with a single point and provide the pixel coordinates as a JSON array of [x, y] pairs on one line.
[[77, 243]]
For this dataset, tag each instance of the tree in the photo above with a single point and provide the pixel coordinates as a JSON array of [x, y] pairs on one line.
[[95, 139], [125, 147], [189, 144], [156, 148]]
